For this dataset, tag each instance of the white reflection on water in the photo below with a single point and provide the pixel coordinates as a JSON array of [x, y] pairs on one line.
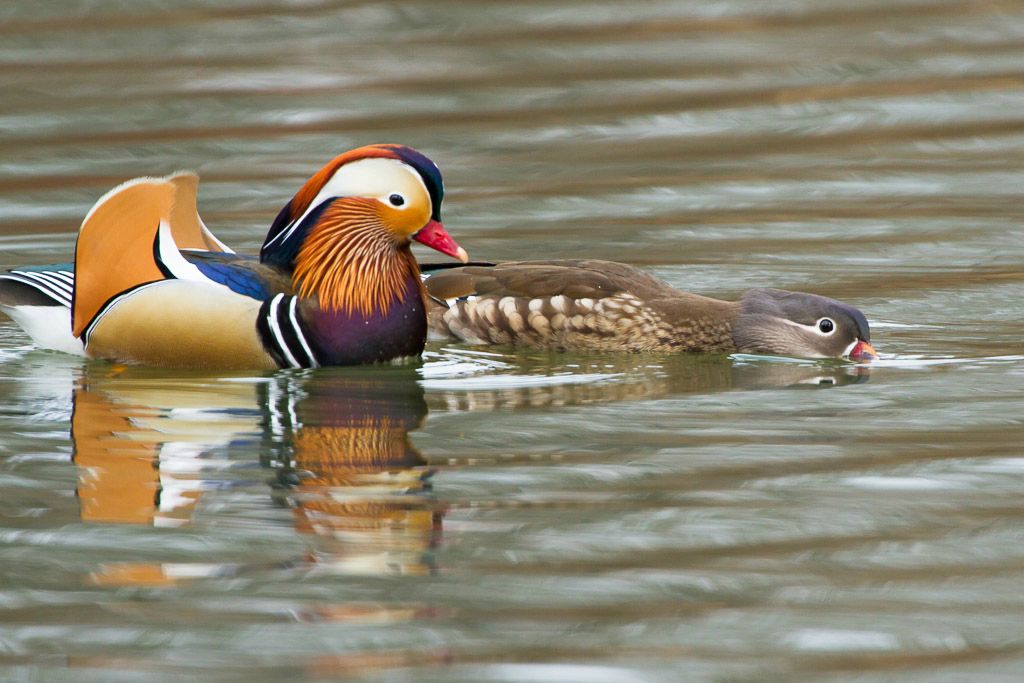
[[544, 673], [515, 381], [895, 483], [455, 369], [835, 640], [914, 362]]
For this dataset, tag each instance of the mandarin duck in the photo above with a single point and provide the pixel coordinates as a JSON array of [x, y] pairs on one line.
[[605, 306], [335, 282]]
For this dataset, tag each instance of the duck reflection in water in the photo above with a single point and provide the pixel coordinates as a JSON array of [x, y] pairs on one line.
[[151, 447], [612, 378], [352, 473], [336, 443]]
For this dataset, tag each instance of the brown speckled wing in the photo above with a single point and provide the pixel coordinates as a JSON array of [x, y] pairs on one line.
[[574, 279], [570, 305]]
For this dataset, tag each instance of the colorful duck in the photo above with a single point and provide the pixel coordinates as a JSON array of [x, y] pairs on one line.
[[335, 282]]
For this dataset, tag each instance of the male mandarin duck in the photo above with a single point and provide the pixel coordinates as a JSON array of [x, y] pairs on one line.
[[335, 282], [600, 305]]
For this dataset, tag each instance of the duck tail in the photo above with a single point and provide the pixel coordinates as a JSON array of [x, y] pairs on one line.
[[38, 299]]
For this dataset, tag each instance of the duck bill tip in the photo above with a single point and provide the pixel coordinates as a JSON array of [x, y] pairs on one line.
[[434, 235], [863, 351]]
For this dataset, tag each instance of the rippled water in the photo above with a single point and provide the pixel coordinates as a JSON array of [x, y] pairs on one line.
[[493, 516]]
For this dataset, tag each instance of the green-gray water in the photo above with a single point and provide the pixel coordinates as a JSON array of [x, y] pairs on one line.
[[492, 516]]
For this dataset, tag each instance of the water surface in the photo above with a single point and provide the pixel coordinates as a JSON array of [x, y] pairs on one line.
[[492, 515]]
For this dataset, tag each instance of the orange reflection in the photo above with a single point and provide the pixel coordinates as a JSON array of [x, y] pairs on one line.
[[362, 480], [148, 447], [117, 480], [139, 440]]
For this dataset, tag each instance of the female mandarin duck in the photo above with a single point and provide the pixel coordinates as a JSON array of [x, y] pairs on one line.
[[335, 282], [599, 305]]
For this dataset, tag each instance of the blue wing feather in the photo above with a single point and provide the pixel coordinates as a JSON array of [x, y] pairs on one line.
[[232, 275]]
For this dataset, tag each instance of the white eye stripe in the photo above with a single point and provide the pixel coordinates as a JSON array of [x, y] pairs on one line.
[[356, 179], [815, 327]]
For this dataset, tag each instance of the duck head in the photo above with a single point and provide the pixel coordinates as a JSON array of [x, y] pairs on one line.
[[345, 235], [796, 324]]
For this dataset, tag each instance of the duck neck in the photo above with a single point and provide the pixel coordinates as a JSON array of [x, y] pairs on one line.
[[351, 264]]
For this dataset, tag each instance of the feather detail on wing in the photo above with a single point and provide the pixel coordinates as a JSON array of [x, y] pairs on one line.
[[114, 252], [574, 305], [37, 286], [531, 279], [132, 237], [187, 227], [38, 298]]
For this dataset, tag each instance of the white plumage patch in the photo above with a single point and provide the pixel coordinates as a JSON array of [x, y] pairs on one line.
[[49, 327]]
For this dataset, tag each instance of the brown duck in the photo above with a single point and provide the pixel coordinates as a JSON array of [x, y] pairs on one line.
[[606, 306]]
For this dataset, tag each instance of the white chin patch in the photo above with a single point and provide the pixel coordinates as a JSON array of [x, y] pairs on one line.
[[849, 349]]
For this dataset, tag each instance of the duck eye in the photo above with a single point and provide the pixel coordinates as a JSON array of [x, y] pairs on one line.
[[396, 199], [826, 325]]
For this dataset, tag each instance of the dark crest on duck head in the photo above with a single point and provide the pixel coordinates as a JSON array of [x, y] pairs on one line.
[[428, 171]]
